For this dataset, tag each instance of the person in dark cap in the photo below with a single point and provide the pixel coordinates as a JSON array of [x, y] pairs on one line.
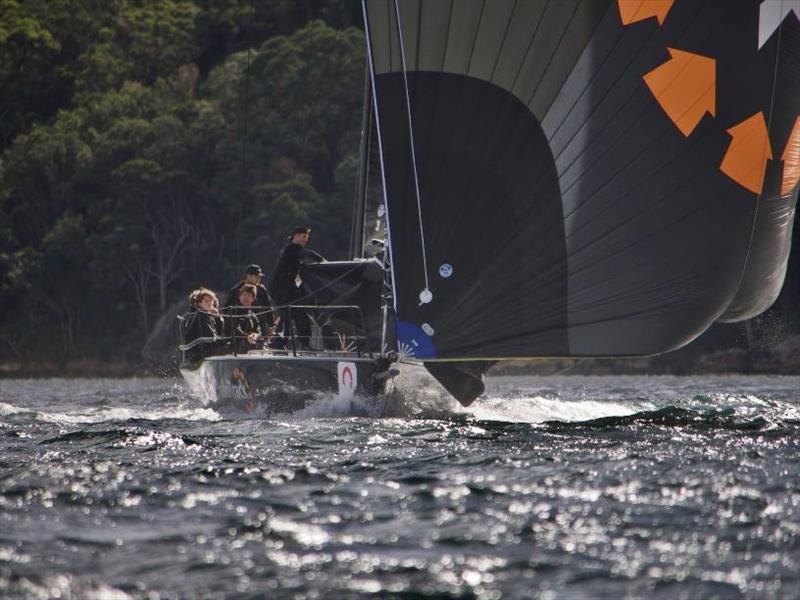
[[263, 302], [286, 286]]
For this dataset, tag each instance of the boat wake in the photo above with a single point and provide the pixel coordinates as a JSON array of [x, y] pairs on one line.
[[416, 394], [574, 404], [412, 394], [540, 409], [89, 415]]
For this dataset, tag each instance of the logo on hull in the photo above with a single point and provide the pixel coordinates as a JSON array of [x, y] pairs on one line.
[[347, 378]]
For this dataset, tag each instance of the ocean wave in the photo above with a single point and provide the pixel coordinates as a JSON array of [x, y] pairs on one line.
[[540, 409], [127, 437], [676, 416], [103, 415], [7, 410], [59, 586]]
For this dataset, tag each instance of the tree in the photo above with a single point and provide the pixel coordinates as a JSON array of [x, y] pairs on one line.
[[152, 198], [39, 173], [230, 26], [117, 247], [60, 279], [40, 42], [157, 37], [153, 146], [292, 113]]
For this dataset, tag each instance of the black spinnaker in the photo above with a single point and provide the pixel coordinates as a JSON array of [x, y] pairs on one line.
[[583, 177]]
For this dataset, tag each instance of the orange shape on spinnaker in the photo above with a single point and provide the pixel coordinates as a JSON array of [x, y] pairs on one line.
[[791, 161], [631, 11], [745, 161], [685, 87]]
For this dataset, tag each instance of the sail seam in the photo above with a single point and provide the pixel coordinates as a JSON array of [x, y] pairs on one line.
[[419, 36], [503, 42], [475, 42], [528, 48], [447, 35], [552, 55], [622, 109]]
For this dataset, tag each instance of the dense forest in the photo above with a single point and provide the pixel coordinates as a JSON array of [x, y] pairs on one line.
[[151, 146]]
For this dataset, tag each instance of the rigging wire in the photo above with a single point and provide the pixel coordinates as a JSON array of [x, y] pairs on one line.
[[380, 146], [425, 295]]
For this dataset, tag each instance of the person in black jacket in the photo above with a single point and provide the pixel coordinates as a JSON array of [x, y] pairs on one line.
[[204, 321], [242, 324], [262, 305], [286, 286]]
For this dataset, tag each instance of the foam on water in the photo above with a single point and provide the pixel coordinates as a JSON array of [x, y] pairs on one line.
[[415, 392], [538, 409], [332, 405], [103, 415], [199, 385], [79, 414], [9, 409], [64, 586]]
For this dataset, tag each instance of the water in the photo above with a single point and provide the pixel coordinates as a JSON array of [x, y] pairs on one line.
[[571, 487]]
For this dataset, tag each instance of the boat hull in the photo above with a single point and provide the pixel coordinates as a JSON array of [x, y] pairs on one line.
[[276, 384]]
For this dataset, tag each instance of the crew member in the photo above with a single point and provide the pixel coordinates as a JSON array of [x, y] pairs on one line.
[[204, 321], [262, 306], [242, 325], [286, 286]]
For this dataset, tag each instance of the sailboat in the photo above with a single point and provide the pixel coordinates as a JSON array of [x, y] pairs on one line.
[[582, 178]]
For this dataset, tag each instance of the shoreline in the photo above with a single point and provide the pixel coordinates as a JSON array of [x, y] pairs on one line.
[[84, 369]]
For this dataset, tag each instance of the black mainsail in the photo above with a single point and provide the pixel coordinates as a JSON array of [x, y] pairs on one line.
[[583, 177]]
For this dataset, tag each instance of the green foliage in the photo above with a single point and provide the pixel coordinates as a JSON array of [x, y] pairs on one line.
[[64, 254], [102, 66], [229, 26], [40, 43], [59, 279], [18, 267], [39, 172], [292, 111], [20, 30]]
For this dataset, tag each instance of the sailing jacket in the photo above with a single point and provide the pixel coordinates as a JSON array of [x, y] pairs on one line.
[[201, 324], [240, 323], [243, 322], [262, 304], [283, 286]]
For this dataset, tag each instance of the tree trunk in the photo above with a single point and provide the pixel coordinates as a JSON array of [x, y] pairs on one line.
[[139, 279], [162, 283], [170, 233]]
